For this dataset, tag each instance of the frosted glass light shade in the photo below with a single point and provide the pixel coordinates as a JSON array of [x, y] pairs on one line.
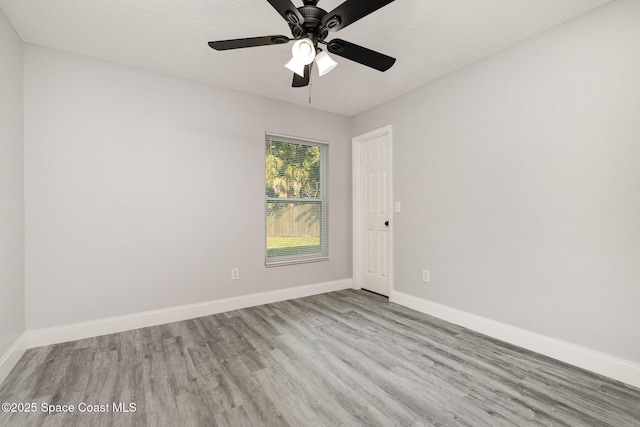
[[325, 63], [304, 51], [296, 66]]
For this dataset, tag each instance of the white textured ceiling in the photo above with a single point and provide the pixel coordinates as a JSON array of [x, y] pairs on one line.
[[429, 38]]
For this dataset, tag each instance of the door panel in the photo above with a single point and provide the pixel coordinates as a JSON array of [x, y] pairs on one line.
[[374, 170]]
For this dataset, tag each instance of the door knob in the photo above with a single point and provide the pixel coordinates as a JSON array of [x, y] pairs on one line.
[[386, 223]]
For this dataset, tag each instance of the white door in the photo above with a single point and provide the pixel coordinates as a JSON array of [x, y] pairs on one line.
[[374, 193]]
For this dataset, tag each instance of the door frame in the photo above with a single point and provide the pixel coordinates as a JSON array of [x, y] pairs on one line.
[[357, 204]]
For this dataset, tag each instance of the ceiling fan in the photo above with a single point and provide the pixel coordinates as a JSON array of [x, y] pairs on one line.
[[310, 26]]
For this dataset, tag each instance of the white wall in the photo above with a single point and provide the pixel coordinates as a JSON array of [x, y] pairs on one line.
[[12, 324], [143, 191], [519, 178]]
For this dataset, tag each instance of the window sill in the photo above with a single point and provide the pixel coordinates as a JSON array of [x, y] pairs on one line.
[[290, 261]]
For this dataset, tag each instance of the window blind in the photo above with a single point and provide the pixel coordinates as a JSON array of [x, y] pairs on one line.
[[296, 208]]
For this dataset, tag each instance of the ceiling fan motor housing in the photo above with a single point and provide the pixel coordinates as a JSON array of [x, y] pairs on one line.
[[312, 25]]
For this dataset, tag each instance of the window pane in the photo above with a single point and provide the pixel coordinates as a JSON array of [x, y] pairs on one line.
[[292, 170], [293, 229]]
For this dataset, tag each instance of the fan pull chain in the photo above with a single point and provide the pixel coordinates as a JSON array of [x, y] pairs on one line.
[[310, 81]]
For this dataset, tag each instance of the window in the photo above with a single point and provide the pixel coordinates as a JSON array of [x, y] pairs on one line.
[[296, 200]]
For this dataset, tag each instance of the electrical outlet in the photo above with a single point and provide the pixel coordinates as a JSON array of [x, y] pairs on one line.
[[425, 276], [235, 273]]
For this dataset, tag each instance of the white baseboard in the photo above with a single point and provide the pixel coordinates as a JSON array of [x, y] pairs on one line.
[[591, 360], [11, 357], [76, 331]]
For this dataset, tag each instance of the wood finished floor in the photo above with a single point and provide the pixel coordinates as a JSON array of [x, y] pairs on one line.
[[344, 358]]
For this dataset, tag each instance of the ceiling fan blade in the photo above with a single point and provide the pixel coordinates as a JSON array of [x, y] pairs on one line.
[[248, 42], [360, 54], [302, 81], [350, 11], [288, 11]]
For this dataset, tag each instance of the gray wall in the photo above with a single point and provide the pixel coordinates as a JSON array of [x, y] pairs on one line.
[[12, 323], [519, 178], [143, 191]]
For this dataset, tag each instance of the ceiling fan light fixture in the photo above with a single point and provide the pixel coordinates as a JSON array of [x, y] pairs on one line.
[[304, 51], [296, 66], [325, 62], [310, 26]]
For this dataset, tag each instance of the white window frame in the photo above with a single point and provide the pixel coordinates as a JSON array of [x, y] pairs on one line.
[[323, 200]]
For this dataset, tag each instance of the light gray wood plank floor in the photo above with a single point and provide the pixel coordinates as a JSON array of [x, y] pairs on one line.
[[345, 358]]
